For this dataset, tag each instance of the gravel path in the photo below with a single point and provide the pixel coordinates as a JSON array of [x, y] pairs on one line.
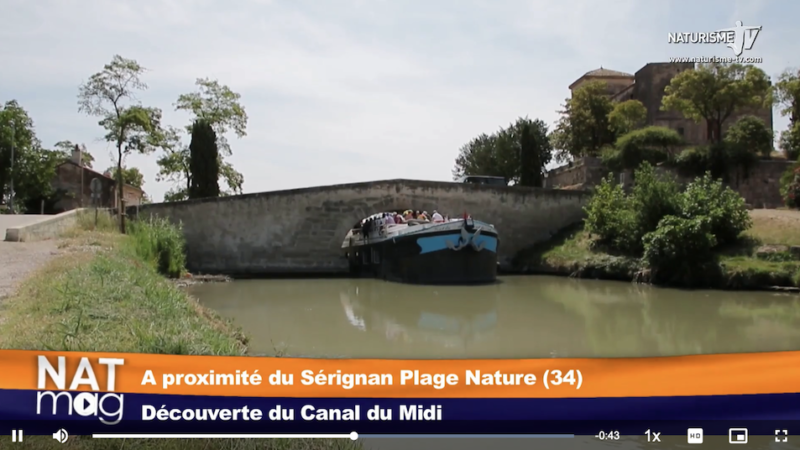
[[19, 259], [787, 215]]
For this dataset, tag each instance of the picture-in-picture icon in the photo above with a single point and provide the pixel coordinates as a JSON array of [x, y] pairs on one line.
[[737, 435]]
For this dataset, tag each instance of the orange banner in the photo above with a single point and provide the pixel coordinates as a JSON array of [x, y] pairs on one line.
[[756, 373]]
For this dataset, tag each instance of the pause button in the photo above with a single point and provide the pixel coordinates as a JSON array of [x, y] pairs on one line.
[[16, 435]]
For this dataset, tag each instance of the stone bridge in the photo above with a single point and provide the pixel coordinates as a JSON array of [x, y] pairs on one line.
[[301, 230]]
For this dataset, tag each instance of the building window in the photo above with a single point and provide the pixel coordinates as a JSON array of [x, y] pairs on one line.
[[680, 131]]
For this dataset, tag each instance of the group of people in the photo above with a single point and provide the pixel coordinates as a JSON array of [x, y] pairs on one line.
[[421, 216], [392, 218]]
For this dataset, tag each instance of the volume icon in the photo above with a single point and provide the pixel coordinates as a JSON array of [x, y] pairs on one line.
[[61, 435]]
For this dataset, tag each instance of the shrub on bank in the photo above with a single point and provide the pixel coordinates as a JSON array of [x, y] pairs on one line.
[[621, 221], [673, 232], [608, 214], [680, 250], [790, 186], [725, 209], [160, 242]]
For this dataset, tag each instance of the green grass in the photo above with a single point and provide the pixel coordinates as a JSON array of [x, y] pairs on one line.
[[161, 243], [749, 271], [101, 296], [106, 294], [572, 252]]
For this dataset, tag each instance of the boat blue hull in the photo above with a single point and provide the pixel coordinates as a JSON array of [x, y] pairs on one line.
[[430, 258]]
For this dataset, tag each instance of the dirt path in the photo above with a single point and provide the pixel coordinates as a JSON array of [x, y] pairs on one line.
[[777, 214], [776, 226], [19, 259]]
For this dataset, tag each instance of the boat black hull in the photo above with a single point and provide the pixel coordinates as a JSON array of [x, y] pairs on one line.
[[403, 260]]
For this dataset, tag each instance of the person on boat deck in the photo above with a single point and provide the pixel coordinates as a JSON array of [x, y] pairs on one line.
[[424, 215], [408, 214], [437, 218], [399, 218], [389, 220]]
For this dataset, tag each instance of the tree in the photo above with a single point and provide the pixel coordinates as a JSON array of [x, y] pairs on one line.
[[33, 166], [500, 154], [131, 127], [651, 144], [479, 157], [174, 165], [627, 116], [714, 92], [67, 147], [535, 151], [130, 176], [790, 142], [35, 171], [750, 134], [583, 129], [16, 128], [787, 95], [220, 107], [204, 161]]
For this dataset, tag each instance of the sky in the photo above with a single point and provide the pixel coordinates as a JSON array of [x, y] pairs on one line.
[[343, 91]]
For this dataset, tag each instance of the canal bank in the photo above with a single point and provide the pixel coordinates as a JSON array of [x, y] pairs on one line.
[[768, 258], [100, 293]]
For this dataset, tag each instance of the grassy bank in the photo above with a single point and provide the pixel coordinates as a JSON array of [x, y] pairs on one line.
[[761, 260], [106, 292]]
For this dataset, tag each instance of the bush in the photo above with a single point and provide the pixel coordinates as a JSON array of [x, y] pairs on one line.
[[790, 186], [654, 196], [620, 221], [651, 145], [693, 161], [790, 142], [751, 135], [609, 215], [725, 209], [679, 251], [721, 159], [159, 241]]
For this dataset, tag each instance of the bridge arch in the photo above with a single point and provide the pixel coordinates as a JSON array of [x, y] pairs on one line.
[[301, 230]]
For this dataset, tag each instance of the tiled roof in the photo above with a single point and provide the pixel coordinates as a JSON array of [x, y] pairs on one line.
[[94, 172], [601, 72]]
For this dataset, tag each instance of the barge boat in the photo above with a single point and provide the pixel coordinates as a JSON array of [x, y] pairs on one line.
[[455, 251]]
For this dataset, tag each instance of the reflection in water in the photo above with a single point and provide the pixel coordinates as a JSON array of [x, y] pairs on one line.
[[421, 319], [519, 317]]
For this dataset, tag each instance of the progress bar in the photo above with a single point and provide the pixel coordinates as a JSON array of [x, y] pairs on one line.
[[464, 436], [352, 436]]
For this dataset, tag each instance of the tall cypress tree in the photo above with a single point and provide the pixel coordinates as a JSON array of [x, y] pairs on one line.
[[203, 161], [530, 165]]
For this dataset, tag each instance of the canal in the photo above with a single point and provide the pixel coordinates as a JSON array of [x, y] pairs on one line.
[[519, 317]]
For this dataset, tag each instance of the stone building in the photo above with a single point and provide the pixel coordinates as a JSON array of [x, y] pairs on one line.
[[760, 189], [647, 86], [73, 184]]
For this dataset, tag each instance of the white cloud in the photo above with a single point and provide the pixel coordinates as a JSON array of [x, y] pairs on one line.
[[346, 90]]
